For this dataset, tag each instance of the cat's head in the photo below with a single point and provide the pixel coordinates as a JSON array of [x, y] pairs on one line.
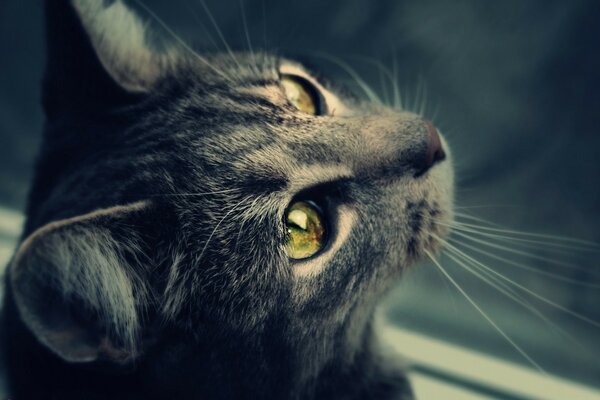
[[179, 194]]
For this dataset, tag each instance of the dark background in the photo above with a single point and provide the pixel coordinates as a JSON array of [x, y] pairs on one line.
[[514, 85]]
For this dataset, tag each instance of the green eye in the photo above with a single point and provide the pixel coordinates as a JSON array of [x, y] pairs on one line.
[[305, 230], [301, 94]]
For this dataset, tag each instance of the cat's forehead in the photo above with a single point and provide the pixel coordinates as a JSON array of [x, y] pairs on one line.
[[242, 121], [260, 75]]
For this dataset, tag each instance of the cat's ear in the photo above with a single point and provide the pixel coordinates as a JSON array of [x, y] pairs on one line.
[[98, 53], [78, 286]]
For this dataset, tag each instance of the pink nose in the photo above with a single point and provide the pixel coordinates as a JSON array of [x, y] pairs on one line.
[[435, 152]]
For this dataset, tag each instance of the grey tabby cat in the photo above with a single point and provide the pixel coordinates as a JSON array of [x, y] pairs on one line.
[[211, 226]]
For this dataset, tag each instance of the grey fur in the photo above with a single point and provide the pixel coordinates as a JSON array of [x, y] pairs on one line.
[[205, 302], [78, 260]]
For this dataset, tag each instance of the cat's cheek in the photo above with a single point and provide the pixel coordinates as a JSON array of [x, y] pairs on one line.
[[340, 231]]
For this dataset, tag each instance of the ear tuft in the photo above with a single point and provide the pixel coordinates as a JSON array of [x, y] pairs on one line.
[[76, 288]]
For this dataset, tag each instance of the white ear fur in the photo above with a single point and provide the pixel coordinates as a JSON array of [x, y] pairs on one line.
[[120, 40], [77, 262]]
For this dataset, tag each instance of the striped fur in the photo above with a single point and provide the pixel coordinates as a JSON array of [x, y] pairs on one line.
[[205, 302]]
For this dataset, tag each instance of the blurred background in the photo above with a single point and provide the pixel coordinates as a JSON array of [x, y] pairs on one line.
[[515, 87]]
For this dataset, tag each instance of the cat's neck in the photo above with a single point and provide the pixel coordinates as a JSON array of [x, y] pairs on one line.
[[276, 361], [318, 364], [292, 362]]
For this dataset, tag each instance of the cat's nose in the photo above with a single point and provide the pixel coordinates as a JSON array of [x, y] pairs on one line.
[[434, 151], [396, 145]]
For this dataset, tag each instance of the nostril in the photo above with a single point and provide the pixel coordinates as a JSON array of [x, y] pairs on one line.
[[435, 151]]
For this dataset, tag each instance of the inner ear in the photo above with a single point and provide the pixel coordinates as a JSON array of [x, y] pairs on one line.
[[78, 285], [121, 42]]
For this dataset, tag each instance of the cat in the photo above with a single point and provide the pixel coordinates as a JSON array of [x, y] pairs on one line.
[[211, 225]]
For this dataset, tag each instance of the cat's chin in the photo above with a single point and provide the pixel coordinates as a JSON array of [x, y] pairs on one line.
[[431, 217], [430, 242]]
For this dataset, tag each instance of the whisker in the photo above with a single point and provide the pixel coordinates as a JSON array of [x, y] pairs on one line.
[[219, 32], [551, 275], [474, 218], [245, 24], [353, 74], [532, 235], [511, 294], [417, 98], [519, 252], [385, 72], [526, 242], [240, 230], [529, 291], [423, 106], [420, 97], [484, 314], [217, 227], [180, 41], [398, 103], [205, 30], [384, 87], [493, 206]]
